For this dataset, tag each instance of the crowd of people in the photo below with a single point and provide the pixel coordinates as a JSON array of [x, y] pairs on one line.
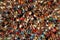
[[29, 19]]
